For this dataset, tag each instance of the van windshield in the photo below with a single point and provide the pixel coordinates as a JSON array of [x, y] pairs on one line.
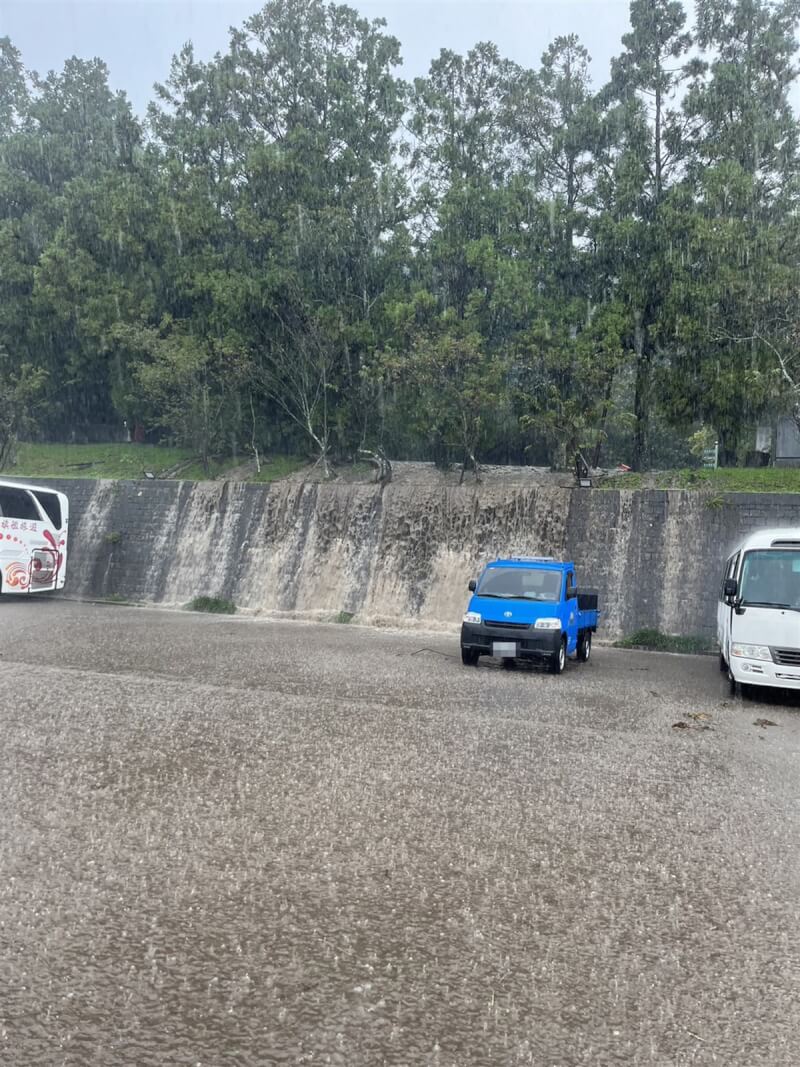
[[771, 578], [519, 583]]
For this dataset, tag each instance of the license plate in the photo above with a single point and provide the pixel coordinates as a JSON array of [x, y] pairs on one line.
[[504, 649]]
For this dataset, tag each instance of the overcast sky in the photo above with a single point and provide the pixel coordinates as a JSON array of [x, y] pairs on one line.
[[137, 38]]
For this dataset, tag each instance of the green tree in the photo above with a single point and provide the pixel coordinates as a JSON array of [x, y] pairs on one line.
[[323, 209], [20, 390], [739, 99], [738, 287], [451, 386], [67, 136], [645, 150], [190, 387], [14, 89], [555, 115]]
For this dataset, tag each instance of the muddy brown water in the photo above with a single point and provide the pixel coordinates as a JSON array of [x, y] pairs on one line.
[[228, 841]]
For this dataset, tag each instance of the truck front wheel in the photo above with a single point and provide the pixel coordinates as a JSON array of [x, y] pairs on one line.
[[558, 662], [469, 657]]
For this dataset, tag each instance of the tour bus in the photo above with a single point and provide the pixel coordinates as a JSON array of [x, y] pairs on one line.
[[33, 538], [758, 617]]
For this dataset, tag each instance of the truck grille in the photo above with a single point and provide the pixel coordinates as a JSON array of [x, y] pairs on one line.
[[508, 625], [788, 657]]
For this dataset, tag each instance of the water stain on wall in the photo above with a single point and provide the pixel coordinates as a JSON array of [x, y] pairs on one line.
[[404, 553]]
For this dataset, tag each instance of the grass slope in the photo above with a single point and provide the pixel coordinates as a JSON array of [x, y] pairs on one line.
[[655, 641], [724, 480], [131, 461]]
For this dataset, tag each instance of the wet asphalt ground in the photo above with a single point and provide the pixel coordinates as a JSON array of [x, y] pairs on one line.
[[229, 841]]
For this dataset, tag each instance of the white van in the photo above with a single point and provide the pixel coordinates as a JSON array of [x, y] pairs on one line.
[[33, 538], [758, 617]]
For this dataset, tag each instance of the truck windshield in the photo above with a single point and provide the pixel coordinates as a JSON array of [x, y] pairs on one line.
[[520, 583], [771, 578]]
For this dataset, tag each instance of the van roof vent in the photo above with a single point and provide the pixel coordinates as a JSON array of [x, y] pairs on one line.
[[786, 544]]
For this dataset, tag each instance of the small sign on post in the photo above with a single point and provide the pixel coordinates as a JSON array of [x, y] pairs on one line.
[[711, 457]]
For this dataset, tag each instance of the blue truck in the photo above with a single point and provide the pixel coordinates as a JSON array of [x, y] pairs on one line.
[[529, 608]]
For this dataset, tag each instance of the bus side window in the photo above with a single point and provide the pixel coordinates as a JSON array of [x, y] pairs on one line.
[[51, 505], [18, 504]]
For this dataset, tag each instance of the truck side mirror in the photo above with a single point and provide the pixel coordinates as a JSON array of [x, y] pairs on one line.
[[473, 585], [730, 588]]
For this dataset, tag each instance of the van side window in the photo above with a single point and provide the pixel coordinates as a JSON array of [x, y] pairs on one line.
[[18, 504], [730, 572]]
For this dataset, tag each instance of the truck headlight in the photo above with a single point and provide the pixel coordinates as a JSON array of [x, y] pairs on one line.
[[751, 652], [473, 617], [547, 624]]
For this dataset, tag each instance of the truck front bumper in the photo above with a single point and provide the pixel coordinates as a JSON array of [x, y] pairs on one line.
[[530, 643]]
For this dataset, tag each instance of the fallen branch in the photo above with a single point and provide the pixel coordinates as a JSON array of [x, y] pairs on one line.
[[379, 459]]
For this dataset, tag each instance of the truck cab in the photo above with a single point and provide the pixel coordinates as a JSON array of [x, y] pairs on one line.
[[528, 608]]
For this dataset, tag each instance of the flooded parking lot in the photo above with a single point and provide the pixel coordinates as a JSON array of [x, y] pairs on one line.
[[230, 841]]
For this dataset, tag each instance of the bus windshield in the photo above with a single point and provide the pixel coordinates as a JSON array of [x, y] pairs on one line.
[[771, 578]]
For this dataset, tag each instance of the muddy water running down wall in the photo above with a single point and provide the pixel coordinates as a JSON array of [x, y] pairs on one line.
[[404, 554]]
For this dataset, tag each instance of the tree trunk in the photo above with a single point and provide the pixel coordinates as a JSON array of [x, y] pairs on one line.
[[8, 444], [558, 456], [641, 400], [657, 140], [598, 445], [469, 461], [727, 451], [253, 444]]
